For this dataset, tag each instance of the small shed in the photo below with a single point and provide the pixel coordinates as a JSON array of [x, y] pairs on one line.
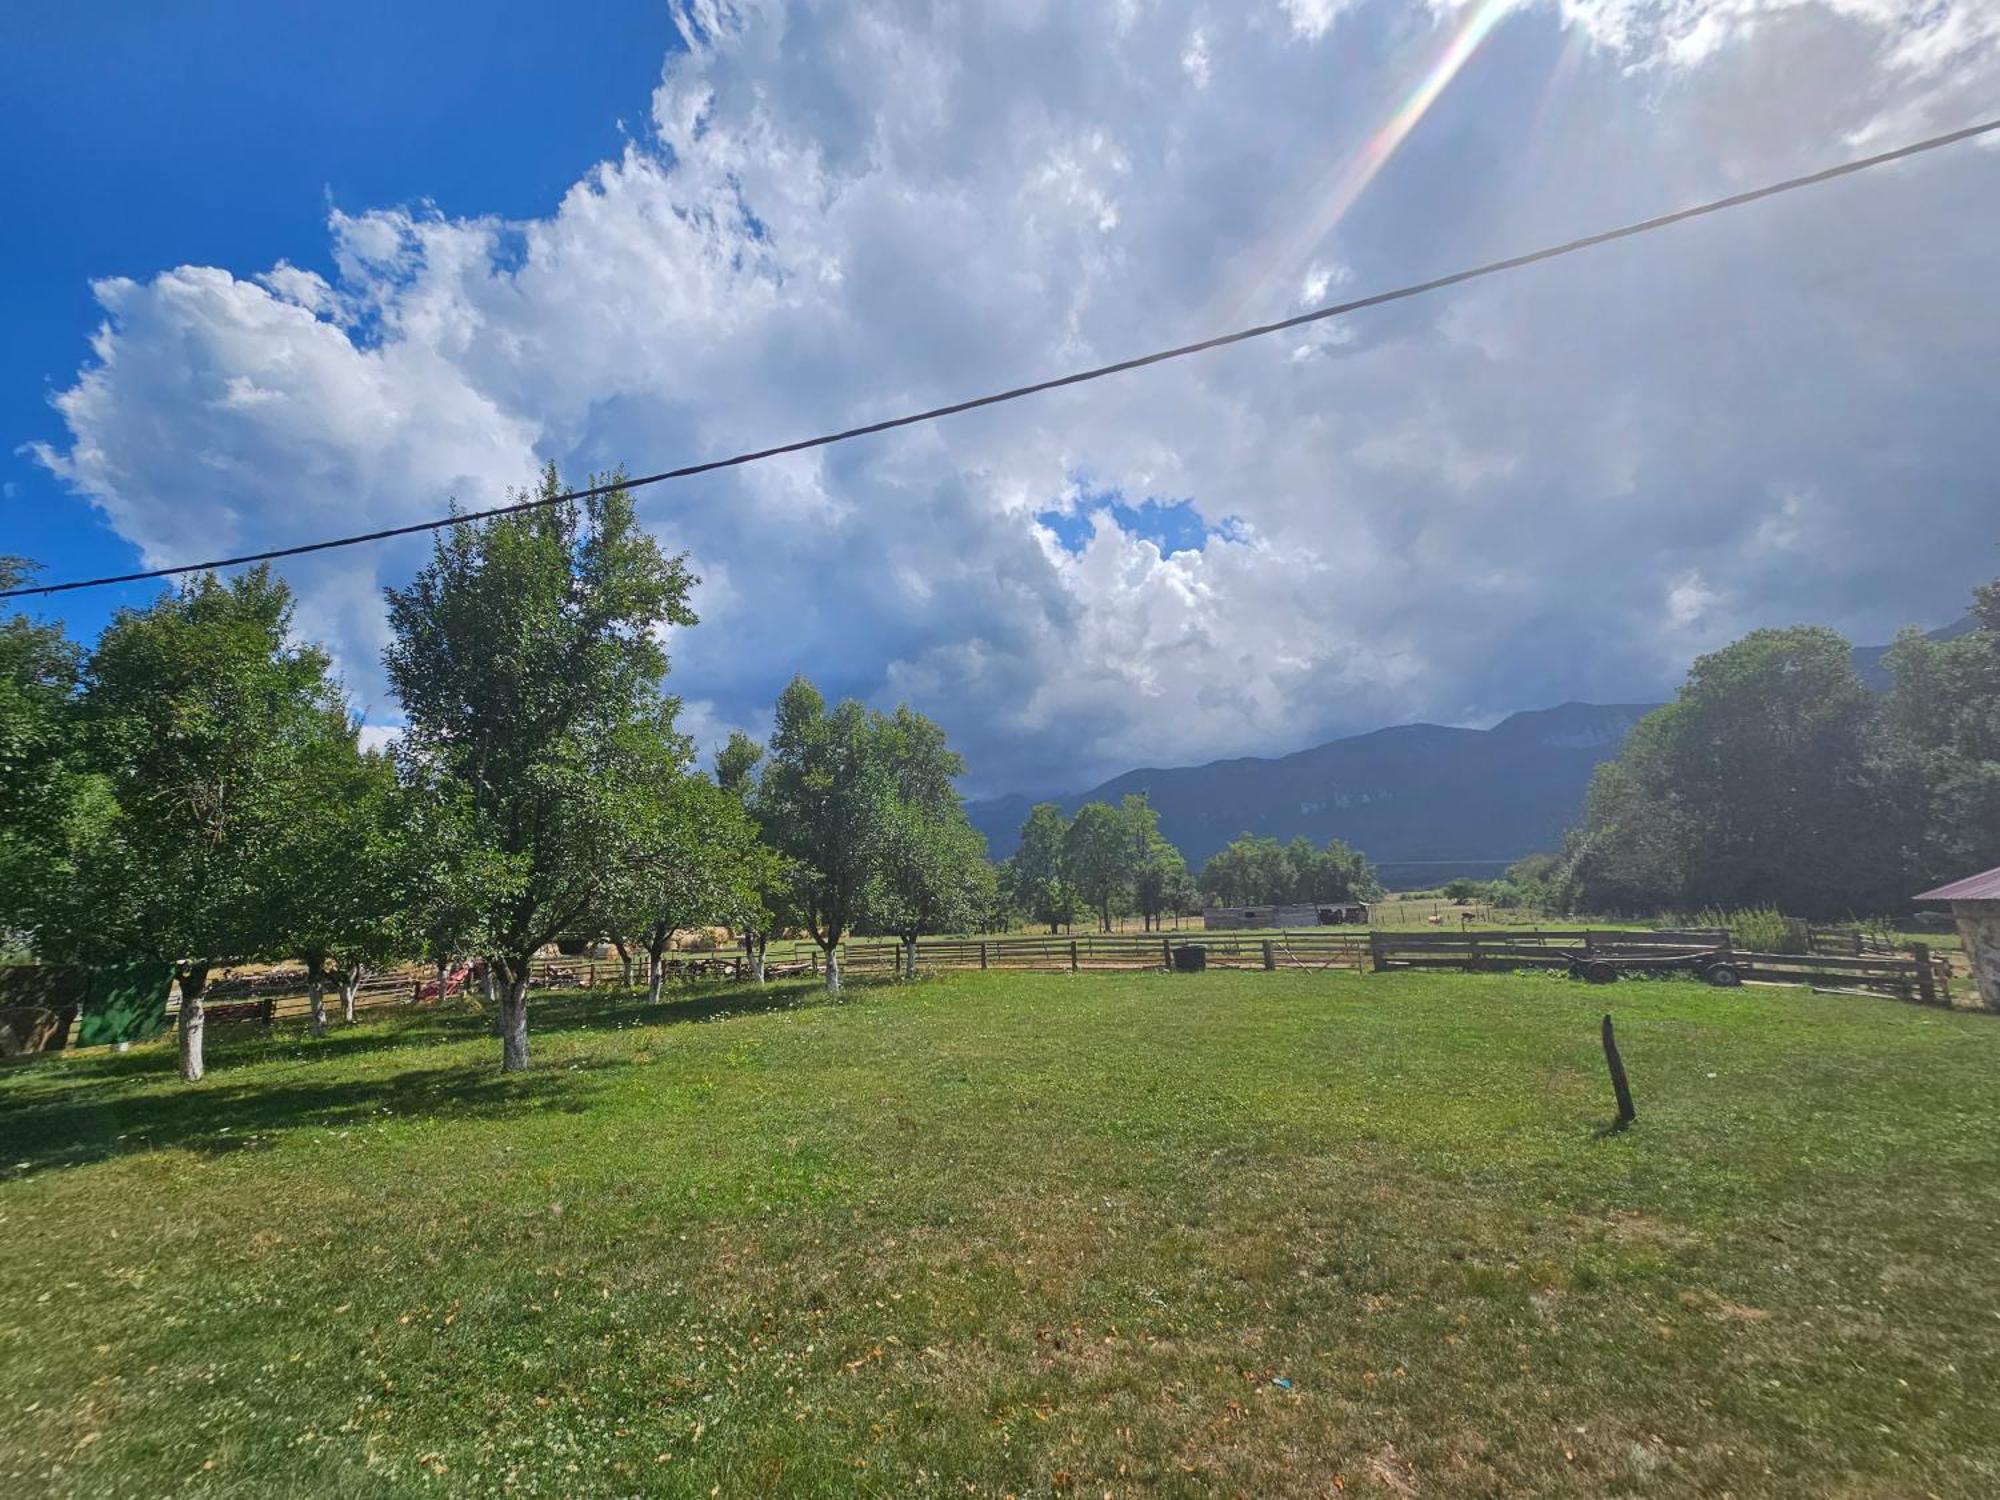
[[1975, 907]]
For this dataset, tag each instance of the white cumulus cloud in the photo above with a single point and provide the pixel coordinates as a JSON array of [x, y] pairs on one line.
[[1532, 489]]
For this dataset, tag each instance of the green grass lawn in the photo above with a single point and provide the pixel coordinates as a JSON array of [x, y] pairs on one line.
[[1256, 1234]]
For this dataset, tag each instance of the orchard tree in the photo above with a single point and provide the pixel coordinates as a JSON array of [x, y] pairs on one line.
[[933, 875], [207, 721], [1038, 874], [528, 658], [700, 865], [343, 893], [766, 880], [824, 806], [1097, 858], [1159, 875], [40, 764]]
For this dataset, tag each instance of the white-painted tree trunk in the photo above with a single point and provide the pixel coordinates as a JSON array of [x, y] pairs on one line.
[[316, 1001], [833, 970], [624, 958], [192, 1024], [757, 963], [444, 970], [487, 986], [349, 983], [656, 976], [514, 1023]]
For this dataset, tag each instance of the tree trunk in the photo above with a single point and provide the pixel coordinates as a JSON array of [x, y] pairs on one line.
[[757, 960], [514, 1021], [193, 982], [486, 984], [625, 958], [444, 973], [349, 983], [833, 969], [909, 958], [316, 1001], [656, 977]]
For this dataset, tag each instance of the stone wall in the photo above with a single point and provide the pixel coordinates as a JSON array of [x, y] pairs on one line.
[[1979, 927]]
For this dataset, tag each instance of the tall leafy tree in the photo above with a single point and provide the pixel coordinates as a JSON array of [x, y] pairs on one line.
[[528, 658], [824, 804], [1941, 743], [1757, 786], [39, 759], [1159, 875], [735, 774], [700, 865], [1038, 873], [933, 874], [207, 721], [1097, 857], [342, 892]]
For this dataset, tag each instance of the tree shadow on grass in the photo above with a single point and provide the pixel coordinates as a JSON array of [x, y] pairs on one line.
[[550, 1013], [118, 1103], [219, 1117]]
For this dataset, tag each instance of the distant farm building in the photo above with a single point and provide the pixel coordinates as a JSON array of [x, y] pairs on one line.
[[1334, 914], [1975, 907]]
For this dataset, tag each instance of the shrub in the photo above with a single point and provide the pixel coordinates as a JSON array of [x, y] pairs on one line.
[[1756, 929]]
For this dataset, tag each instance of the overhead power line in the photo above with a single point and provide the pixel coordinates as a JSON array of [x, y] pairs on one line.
[[1079, 377]]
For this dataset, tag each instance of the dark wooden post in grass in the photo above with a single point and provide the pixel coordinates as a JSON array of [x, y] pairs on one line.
[[1926, 979], [1626, 1114], [1270, 954], [1167, 954], [1072, 955], [1378, 951]]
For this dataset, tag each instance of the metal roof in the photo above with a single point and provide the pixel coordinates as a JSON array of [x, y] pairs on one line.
[[1973, 888]]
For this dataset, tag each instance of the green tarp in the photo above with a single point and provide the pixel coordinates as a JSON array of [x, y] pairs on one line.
[[120, 1003], [125, 1003]]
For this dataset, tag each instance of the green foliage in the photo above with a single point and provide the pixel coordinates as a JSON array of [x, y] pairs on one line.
[[824, 804], [1261, 871], [1462, 890], [1037, 875], [1097, 858], [1941, 743], [208, 730], [1754, 929], [39, 761], [934, 875], [527, 656], [1757, 785]]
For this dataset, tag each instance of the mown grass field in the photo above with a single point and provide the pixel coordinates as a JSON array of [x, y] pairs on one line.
[[1256, 1234]]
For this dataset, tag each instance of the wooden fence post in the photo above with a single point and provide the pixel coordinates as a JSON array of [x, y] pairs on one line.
[[1378, 951], [1926, 980], [1270, 954], [1626, 1114], [982, 955], [1072, 955], [1167, 954]]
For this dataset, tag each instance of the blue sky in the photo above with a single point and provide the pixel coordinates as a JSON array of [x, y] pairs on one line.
[[267, 282], [219, 132]]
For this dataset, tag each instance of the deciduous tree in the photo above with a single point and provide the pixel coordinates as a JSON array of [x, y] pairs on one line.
[[528, 658]]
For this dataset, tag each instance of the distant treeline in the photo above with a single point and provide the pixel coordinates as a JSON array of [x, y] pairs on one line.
[[1111, 861]]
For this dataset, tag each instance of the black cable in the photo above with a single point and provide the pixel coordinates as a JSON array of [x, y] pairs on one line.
[[1338, 309]]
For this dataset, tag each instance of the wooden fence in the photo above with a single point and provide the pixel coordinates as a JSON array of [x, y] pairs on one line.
[[1910, 976]]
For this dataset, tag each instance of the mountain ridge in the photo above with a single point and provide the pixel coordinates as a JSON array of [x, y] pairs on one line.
[[1425, 802]]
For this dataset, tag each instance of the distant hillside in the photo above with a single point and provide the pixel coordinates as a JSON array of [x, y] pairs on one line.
[[1423, 801]]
